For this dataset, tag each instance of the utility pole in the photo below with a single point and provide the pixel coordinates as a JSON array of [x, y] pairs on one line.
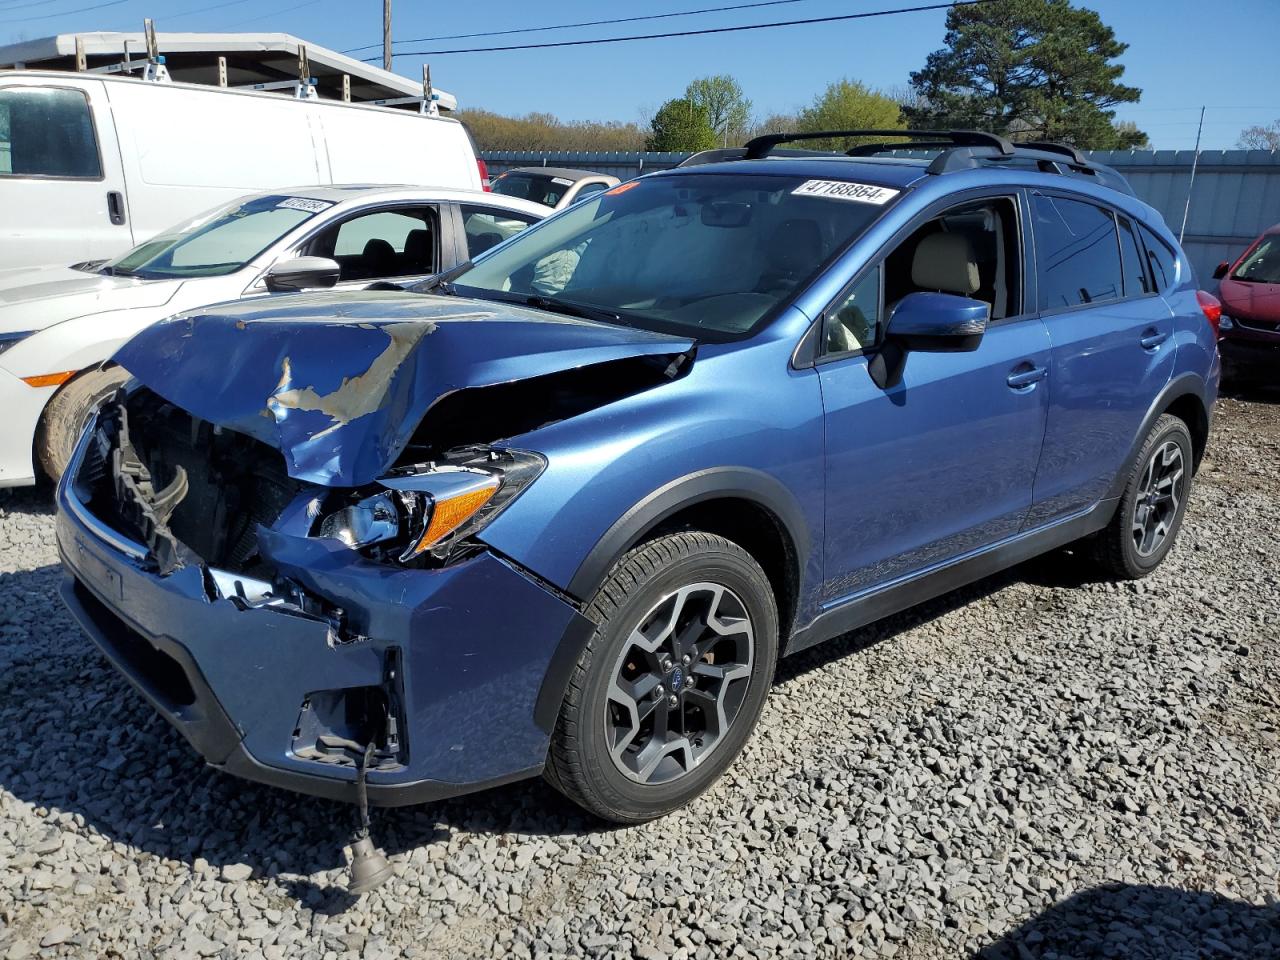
[[1195, 162], [386, 34]]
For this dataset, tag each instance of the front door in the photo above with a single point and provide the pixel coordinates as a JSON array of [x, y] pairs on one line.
[[61, 186], [1113, 348], [942, 464]]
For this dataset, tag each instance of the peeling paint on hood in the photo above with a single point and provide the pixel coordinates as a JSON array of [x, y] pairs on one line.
[[338, 382]]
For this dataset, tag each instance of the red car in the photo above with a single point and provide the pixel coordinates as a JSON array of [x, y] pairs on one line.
[[1250, 293]]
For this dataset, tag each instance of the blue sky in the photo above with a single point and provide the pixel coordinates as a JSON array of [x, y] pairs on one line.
[[1182, 53]]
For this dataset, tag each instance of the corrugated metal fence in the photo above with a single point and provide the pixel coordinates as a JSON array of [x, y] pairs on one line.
[[1236, 194]]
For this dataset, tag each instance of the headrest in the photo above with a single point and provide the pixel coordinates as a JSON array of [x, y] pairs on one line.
[[378, 253], [945, 262], [417, 245]]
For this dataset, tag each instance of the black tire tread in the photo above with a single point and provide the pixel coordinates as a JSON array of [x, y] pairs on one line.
[[564, 768], [64, 414], [1108, 550]]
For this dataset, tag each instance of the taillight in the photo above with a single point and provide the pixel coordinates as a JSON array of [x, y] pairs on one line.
[[1212, 308], [484, 173]]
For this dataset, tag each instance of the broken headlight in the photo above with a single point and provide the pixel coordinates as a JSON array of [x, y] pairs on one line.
[[425, 509]]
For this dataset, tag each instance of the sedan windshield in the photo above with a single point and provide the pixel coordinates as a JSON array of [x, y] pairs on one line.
[[537, 187], [707, 255], [217, 243], [1263, 264]]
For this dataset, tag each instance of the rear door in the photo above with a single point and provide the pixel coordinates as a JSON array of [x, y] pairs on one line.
[[62, 197], [482, 227], [1113, 349]]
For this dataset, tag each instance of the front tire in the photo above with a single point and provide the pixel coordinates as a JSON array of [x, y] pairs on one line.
[[65, 413], [672, 681], [1151, 509]]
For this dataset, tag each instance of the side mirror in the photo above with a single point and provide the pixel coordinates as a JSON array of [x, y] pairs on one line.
[[928, 322], [1221, 270], [302, 273]]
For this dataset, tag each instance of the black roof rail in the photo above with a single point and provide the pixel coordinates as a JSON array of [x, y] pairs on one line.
[[1065, 149], [762, 146], [959, 150], [722, 154]]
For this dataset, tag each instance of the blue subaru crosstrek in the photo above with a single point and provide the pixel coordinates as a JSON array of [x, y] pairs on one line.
[[561, 510]]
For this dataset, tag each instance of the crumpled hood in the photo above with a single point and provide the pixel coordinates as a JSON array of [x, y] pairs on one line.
[[32, 299], [338, 383]]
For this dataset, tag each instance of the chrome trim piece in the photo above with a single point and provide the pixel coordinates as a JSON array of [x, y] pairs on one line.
[[67, 494]]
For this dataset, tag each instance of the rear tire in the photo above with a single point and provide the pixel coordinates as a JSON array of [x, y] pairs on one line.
[[65, 414], [643, 730], [1151, 509]]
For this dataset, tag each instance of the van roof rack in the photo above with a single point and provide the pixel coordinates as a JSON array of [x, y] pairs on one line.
[[960, 150]]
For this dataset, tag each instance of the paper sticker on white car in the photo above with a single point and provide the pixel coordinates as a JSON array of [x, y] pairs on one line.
[[844, 190], [302, 203]]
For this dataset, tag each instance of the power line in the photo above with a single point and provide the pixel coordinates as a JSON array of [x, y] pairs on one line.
[[689, 33], [65, 13], [275, 13], [32, 3], [582, 23], [216, 6]]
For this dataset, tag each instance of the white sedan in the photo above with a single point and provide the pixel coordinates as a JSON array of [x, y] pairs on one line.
[[59, 325]]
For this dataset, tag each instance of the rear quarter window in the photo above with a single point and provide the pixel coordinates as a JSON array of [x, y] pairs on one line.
[[1161, 260]]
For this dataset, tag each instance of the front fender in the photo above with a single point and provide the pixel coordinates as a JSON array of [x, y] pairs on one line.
[[741, 423]]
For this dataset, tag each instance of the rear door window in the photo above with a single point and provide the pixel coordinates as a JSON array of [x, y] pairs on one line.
[[1077, 253], [486, 227], [47, 132]]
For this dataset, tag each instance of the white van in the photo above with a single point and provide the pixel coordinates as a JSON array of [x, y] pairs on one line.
[[91, 166]]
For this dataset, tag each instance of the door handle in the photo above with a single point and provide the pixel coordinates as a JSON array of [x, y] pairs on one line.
[[1152, 338], [1025, 375], [115, 206]]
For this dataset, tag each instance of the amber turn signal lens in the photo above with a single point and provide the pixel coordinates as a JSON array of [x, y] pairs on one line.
[[49, 379], [448, 515]]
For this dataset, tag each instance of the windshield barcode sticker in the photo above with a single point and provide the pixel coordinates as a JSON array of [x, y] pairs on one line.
[[302, 203], [844, 190]]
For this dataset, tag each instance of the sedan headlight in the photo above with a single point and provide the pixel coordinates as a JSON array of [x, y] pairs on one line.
[[8, 340], [426, 509]]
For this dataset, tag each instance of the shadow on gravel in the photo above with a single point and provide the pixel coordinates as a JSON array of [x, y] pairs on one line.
[[1060, 568], [31, 500], [1137, 921], [79, 740], [1250, 391]]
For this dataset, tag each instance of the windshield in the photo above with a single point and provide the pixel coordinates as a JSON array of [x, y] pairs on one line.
[[217, 243], [708, 255], [529, 186], [1262, 265]]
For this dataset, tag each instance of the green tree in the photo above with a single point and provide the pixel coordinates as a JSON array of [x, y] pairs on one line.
[[682, 125], [1035, 69], [543, 131], [1260, 137], [728, 110], [848, 105]]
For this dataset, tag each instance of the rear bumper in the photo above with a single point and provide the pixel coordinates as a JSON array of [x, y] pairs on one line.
[[475, 646]]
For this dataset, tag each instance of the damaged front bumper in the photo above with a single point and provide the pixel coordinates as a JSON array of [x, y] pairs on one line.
[[456, 673]]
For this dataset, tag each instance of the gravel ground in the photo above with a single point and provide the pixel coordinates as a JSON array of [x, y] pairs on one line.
[[1038, 766]]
